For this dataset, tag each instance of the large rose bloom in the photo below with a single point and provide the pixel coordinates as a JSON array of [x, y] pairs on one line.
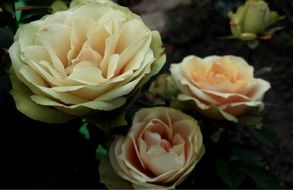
[[89, 58], [161, 148], [220, 87]]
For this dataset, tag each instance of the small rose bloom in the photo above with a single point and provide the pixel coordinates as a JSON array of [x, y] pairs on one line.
[[90, 58], [161, 148], [163, 87], [219, 87]]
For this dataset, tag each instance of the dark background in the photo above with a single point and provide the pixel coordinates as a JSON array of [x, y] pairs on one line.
[[37, 155]]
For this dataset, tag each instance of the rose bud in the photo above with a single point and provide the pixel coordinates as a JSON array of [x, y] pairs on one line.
[[252, 19], [163, 86]]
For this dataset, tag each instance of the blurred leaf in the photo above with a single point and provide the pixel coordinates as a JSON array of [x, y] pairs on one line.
[[29, 16], [18, 12], [265, 136], [7, 16], [224, 6], [4, 62], [39, 2], [231, 175], [253, 44], [58, 6], [84, 130], [263, 71], [251, 121], [100, 152], [275, 29], [8, 6], [287, 7], [6, 38], [107, 120], [244, 155], [262, 178], [215, 137]]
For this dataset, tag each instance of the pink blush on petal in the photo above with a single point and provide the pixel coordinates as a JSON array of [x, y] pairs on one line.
[[166, 144]]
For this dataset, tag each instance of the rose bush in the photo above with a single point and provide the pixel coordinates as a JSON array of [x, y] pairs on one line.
[[161, 148], [220, 87], [89, 58]]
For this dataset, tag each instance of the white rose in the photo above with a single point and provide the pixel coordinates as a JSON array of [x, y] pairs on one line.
[[89, 58]]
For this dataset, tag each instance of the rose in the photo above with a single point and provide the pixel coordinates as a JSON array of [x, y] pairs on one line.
[[252, 19], [89, 58], [219, 87], [161, 148], [163, 87]]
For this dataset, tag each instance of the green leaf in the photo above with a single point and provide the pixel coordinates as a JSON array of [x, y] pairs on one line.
[[230, 174], [262, 178], [100, 152], [244, 155], [265, 136], [84, 130], [18, 12]]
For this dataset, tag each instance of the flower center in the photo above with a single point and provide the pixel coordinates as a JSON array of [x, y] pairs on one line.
[[166, 144]]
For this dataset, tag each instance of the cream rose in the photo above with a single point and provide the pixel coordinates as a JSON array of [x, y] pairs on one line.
[[89, 58], [220, 87], [161, 148]]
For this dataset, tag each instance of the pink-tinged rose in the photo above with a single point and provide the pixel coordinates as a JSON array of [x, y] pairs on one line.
[[221, 87], [161, 148], [91, 58]]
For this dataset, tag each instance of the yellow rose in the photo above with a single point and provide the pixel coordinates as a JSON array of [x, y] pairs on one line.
[[220, 87], [161, 148], [88, 58]]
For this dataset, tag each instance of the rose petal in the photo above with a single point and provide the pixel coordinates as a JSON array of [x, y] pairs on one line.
[[130, 33], [98, 44], [87, 73], [51, 36], [80, 27], [109, 178], [24, 104], [261, 87]]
